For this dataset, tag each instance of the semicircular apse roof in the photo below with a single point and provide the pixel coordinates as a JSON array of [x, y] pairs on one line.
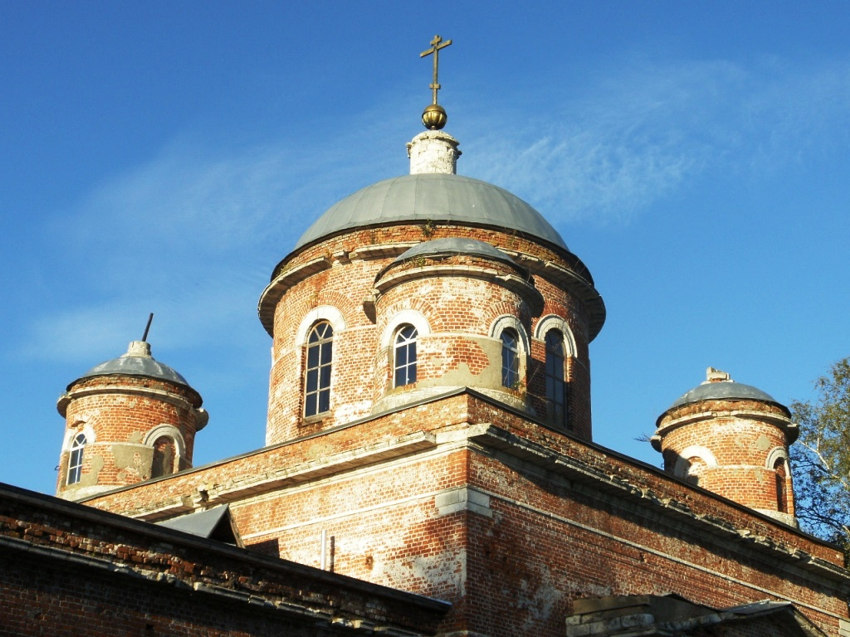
[[432, 197], [454, 245]]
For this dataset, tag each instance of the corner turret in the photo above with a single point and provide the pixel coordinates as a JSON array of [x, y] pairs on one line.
[[127, 420], [731, 439]]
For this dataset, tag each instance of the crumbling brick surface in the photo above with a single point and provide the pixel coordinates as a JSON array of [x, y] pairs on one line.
[[544, 518]]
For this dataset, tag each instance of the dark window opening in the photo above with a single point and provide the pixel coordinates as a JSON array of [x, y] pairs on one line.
[[75, 462], [163, 457], [556, 386], [405, 356], [510, 358], [317, 373]]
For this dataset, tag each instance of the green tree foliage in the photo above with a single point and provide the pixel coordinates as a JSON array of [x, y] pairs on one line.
[[821, 458]]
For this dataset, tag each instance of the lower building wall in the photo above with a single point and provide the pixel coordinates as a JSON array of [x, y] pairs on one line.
[[509, 521], [511, 547], [48, 597], [67, 569]]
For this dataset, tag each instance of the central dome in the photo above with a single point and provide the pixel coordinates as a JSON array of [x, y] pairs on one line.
[[433, 197]]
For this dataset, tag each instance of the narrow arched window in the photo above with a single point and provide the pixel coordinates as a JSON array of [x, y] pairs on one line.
[[556, 386], [317, 373], [404, 358], [781, 494], [163, 457], [510, 358], [75, 462]]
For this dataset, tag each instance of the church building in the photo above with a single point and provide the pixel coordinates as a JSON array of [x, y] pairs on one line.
[[429, 464]]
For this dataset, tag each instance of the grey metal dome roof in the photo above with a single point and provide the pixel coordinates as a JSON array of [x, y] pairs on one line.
[[454, 245], [432, 197], [137, 362], [723, 390]]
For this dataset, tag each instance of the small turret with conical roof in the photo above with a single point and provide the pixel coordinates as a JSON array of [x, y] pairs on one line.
[[128, 419], [732, 439]]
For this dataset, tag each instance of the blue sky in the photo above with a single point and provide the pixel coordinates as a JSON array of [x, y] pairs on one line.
[[163, 157]]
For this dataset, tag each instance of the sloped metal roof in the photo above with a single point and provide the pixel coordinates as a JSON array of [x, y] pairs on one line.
[[213, 524], [432, 197], [455, 245], [137, 366], [724, 390]]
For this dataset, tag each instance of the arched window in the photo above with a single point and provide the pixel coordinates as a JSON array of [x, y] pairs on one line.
[[696, 468], [75, 462], [404, 358], [163, 457], [781, 493], [317, 373], [556, 386], [510, 358]]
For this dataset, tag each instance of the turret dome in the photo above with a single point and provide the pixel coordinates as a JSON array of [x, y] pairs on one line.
[[137, 361], [719, 386]]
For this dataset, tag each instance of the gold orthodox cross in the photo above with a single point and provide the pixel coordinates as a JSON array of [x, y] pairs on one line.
[[436, 44]]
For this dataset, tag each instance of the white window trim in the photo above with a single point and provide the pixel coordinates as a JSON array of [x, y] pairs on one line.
[[777, 453], [169, 431], [322, 313], [694, 451], [413, 317], [86, 430], [555, 322], [507, 321]]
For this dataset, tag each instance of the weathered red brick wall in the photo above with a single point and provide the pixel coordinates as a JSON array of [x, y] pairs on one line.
[[563, 520], [740, 434], [453, 305], [121, 410], [65, 570]]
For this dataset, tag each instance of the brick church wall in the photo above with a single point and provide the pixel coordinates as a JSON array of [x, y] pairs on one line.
[[68, 570], [461, 499], [345, 280]]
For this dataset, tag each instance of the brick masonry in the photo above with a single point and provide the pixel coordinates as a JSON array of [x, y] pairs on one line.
[[462, 499], [457, 488], [66, 569]]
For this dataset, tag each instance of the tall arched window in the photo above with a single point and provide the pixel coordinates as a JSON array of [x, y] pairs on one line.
[[556, 386], [510, 358], [163, 457], [404, 358], [75, 462], [781, 493], [317, 373]]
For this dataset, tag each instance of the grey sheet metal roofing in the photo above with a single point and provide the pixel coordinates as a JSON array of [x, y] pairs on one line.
[[723, 390], [214, 524], [432, 197], [132, 365], [455, 245]]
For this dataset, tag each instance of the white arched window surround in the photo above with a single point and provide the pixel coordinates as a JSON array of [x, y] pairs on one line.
[[322, 313], [555, 322], [776, 454], [504, 322], [81, 428], [513, 370], [404, 355], [779, 456], [412, 317], [76, 458], [680, 470], [170, 431], [71, 445]]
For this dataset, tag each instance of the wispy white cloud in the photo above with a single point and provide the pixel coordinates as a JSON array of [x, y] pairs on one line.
[[640, 134], [194, 233]]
